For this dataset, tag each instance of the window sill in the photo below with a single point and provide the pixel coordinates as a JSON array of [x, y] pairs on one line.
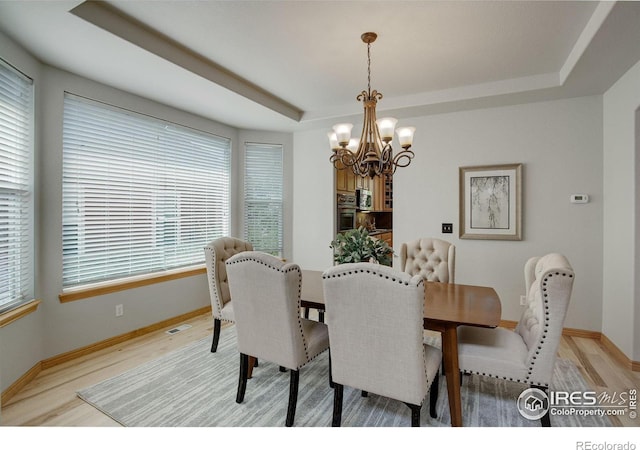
[[116, 286], [18, 313]]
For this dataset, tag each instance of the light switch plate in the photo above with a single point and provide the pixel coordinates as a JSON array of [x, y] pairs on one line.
[[579, 198]]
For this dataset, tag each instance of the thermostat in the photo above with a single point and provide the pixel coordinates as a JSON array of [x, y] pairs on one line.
[[579, 198]]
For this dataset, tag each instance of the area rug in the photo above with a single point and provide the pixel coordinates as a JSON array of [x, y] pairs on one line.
[[192, 387]]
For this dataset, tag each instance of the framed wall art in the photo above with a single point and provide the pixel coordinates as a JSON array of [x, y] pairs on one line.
[[491, 202]]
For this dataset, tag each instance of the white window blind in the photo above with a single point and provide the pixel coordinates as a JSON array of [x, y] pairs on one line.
[[16, 188], [139, 195], [263, 197]]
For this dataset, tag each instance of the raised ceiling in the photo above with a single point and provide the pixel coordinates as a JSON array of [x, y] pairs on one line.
[[286, 65]]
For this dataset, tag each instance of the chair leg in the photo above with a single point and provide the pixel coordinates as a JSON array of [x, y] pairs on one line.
[[250, 365], [217, 323], [321, 316], [337, 404], [282, 369], [364, 394], [242, 382], [331, 383], [545, 420], [293, 397], [415, 414], [433, 396], [306, 313]]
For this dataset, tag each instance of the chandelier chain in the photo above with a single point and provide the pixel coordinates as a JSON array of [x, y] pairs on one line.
[[369, 68]]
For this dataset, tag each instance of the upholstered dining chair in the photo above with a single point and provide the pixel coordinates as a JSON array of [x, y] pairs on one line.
[[528, 353], [433, 259], [266, 299], [375, 319], [216, 253]]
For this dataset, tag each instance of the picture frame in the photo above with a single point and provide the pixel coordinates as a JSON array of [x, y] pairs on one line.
[[491, 202]]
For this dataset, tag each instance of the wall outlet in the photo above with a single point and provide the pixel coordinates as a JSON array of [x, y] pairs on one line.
[[447, 228], [119, 310], [523, 300]]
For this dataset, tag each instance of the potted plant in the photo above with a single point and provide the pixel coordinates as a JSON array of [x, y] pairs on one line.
[[358, 246]]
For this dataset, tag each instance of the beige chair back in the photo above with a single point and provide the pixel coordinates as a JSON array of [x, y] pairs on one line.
[[432, 259], [216, 254], [550, 279], [266, 303], [375, 320]]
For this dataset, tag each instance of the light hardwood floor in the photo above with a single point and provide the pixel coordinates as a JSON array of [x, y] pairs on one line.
[[50, 399]]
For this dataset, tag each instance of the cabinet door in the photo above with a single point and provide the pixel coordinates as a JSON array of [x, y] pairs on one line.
[[362, 183], [378, 194], [388, 193], [351, 180], [345, 180], [341, 180]]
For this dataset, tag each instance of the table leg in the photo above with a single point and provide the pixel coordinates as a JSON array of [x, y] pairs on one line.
[[452, 372], [252, 362]]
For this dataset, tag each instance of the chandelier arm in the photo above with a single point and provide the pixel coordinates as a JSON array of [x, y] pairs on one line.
[[347, 158], [387, 153], [342, 158], [403, 159], [335, 159]]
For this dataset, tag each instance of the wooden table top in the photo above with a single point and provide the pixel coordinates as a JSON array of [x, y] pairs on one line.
[[464, 304], [459, 303]]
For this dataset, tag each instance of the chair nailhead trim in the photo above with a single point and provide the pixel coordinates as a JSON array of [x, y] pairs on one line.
[[547, 315], [213, 282], [369, 271], [471, 372]]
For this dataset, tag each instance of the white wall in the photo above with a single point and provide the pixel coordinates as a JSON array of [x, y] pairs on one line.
[[621, 259], [559, 143], [313, 200]]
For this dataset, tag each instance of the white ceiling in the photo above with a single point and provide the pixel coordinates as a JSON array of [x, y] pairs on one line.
[[286, 65]]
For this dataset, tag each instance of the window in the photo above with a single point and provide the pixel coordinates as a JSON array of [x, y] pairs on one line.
[[263, 198], [139, 195], [16, 188]]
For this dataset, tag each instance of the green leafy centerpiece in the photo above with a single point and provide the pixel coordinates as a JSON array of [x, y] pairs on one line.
[[358, 246]]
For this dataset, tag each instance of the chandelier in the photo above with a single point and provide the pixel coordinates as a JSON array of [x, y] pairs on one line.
[[372, 155]]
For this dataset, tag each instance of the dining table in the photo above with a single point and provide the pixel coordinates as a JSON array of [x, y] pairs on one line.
[[446, 307]]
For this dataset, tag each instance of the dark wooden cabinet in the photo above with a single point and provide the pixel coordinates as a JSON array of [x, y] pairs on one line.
[[383, 193], [364, 183], [345, 181], [378, 194], [387, 237]]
